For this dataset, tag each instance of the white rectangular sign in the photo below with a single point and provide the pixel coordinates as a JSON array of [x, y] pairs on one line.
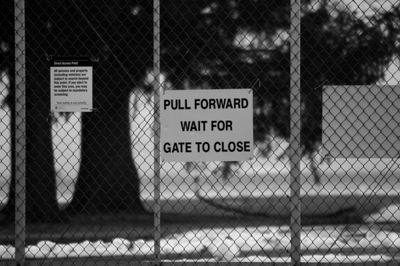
[[71, 85], [207, 125], [361, 121]]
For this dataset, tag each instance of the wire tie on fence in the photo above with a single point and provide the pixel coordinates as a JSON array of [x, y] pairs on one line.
[[256, 83], [94, 59], [320, 86], [51, 117], [49, 57]]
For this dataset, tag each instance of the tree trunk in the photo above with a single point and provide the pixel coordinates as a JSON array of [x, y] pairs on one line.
[[41, 199], [108, 180], [8, 213], [7, 59]]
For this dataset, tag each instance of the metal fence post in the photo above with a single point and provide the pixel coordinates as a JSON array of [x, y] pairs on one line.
[[20, 226], [157, 163], [295, 116]]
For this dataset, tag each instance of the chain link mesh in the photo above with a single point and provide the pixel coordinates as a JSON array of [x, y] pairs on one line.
[[6, 109], [86, 183]]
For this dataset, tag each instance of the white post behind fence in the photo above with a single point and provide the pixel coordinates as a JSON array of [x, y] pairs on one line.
[[19, 12], [295, 116], [157, 163]]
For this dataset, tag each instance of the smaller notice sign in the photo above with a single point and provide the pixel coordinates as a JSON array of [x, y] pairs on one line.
[[361, 121], [207, 125], [71, 85]]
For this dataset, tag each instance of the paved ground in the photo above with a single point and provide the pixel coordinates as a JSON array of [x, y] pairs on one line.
[[197, 238]]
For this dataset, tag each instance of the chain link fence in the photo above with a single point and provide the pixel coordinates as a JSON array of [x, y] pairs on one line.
[[89, 187]]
